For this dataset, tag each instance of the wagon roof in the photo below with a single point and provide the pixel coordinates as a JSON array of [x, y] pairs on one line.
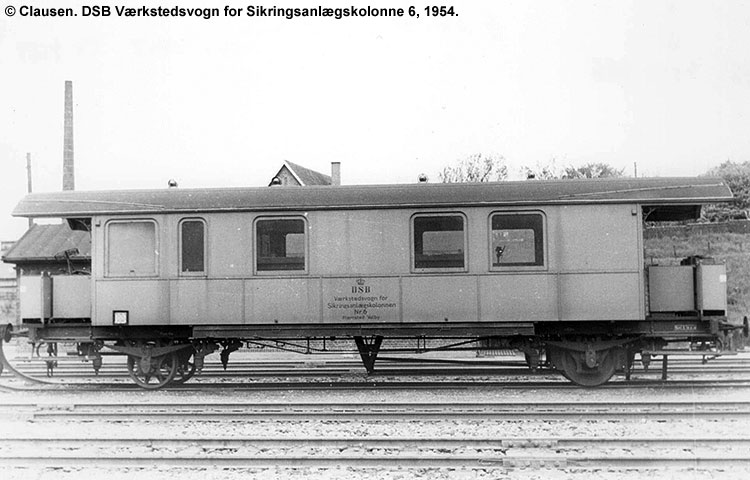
[[645, 191]]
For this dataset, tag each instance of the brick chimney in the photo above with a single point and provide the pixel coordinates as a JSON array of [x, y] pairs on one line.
[[335, 173], [68, 170]]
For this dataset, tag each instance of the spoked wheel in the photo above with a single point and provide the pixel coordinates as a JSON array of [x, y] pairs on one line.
[[185, 371], [573, 366], [154, 372]]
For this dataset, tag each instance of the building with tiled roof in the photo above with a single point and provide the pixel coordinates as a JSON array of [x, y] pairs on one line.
[[291, 174]]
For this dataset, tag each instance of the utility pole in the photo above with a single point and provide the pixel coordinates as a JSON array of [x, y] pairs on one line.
[[28, 181], [68, 169]]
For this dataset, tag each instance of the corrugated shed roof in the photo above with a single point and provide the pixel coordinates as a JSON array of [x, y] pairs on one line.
[[308, 177], [644, 191], [47, 242]]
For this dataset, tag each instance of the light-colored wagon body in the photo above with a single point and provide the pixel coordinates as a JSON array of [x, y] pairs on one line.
[[546, 267]]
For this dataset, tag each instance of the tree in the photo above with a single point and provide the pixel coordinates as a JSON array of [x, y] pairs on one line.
[[737, 177], [549, 171], [593, 170], [476, 168]]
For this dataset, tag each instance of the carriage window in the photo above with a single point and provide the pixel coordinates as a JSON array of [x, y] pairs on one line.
[[439, 242], [280, 244], [192, 246], [131, 248], [516, 240]]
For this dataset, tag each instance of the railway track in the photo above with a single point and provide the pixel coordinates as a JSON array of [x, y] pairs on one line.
[[236, 411], [397, 379], [291, 436], [591, 452], [302, 369], [266, 371], [368, 385], [115, 367], [320, 382]]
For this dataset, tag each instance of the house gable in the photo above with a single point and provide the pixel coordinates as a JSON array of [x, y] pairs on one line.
[[291, 174]]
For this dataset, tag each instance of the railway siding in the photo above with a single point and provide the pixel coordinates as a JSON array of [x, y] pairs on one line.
[[431, 427]]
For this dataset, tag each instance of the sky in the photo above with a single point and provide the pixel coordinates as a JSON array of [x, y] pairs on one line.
[[222, 102]]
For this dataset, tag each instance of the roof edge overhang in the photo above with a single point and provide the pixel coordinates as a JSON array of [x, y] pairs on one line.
[[25, 260], [646, 192], [82, 216]]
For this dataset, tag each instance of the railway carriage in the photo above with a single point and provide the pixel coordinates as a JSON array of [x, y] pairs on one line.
[[555, 269]]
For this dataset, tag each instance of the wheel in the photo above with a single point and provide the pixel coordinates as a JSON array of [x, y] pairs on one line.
[[574, 368], [185, 371], [153, 374]]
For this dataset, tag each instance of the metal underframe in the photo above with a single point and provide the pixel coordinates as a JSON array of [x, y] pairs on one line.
[[673, 329]]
